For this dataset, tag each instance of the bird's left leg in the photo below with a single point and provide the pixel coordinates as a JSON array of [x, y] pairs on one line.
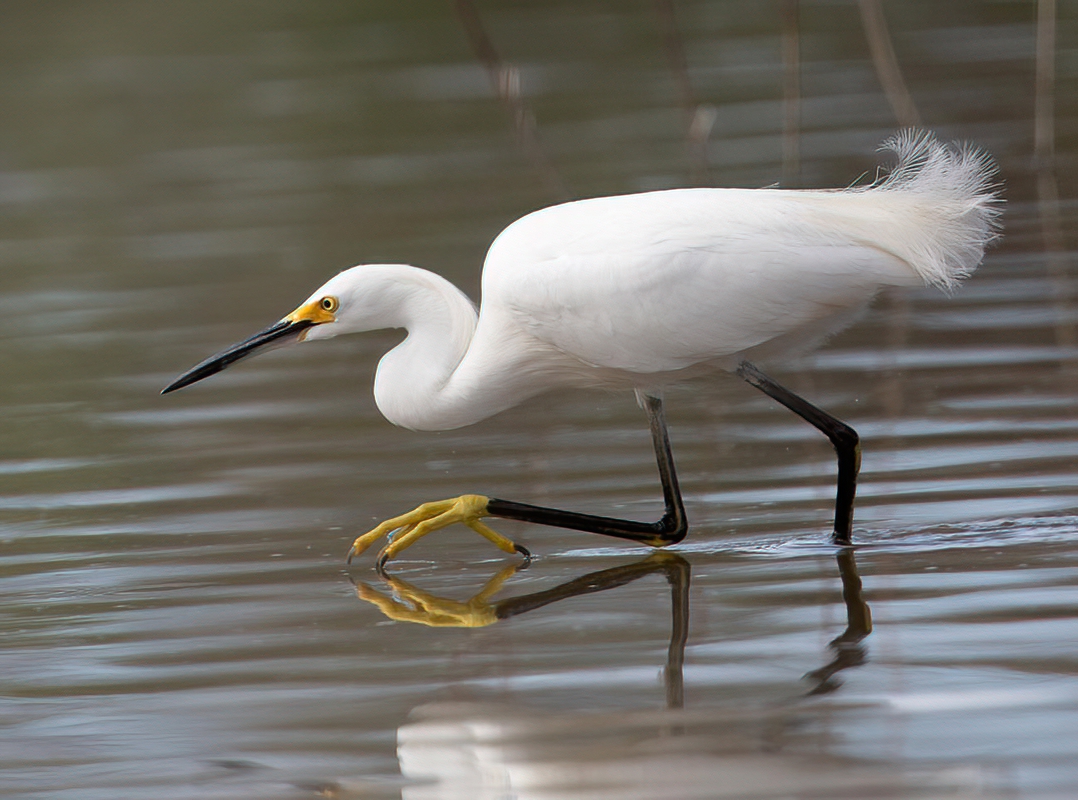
[[429, 517], [670, 529], [845, 440], [469, 509]]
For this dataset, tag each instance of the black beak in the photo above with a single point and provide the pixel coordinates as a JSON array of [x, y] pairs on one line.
[[279, 333]]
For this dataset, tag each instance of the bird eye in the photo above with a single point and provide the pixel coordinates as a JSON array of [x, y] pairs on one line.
[[330, 303]]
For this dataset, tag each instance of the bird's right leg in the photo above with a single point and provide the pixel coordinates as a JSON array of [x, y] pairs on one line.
[[470, 509], [845, 440]]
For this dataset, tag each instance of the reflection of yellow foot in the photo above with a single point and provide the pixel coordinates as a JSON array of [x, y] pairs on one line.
[[413, 526], [412, 604]]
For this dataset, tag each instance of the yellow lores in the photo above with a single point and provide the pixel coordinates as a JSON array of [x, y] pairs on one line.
[[316, 312]]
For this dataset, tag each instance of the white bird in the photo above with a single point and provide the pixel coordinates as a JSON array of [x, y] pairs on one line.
[[639, 291]]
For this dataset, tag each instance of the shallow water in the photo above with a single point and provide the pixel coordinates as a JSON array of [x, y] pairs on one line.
[[176, 612]]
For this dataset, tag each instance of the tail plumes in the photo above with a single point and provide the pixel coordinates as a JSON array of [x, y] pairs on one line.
[[953, 200]]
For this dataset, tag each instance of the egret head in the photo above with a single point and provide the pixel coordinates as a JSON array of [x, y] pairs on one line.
[[319, 317], [364, 298]]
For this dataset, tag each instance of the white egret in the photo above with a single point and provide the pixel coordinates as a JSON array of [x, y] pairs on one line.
[[642, 290]]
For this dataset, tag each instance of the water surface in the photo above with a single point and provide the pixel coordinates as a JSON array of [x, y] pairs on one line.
[[176, 612]]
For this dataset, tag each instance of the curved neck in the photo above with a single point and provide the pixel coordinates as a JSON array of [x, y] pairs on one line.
[[410, 382]]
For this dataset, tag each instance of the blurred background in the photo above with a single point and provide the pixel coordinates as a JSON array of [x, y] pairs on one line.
[[174, 605]]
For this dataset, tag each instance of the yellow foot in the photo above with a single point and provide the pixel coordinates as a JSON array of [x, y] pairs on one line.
[[413, 526], [412, 604]]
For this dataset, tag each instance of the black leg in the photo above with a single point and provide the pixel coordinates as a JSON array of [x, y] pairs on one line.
[[671, 529], [844, 438]]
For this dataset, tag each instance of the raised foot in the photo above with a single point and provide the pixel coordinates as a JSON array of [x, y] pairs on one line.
[[413, 526]]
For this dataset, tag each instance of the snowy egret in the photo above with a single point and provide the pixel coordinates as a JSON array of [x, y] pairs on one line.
[[642, 290]]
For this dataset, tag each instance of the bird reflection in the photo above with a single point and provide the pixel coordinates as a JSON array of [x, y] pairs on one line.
[[847, 648], [478, 750], [406, 602]]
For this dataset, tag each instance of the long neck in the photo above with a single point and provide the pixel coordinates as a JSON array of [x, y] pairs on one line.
[[410, 383]]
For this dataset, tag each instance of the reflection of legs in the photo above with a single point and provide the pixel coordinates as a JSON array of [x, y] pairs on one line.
[[677, 571], [843, 437], [669, 530], [677, 575], [409, 603], [858, 614], [847, 647]]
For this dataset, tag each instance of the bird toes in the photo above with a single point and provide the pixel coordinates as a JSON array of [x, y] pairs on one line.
[[404, 531]]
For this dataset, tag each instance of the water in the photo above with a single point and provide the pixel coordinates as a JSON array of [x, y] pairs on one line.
[[176, 613]]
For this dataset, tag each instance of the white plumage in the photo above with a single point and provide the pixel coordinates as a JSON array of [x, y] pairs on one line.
[[640, 290]]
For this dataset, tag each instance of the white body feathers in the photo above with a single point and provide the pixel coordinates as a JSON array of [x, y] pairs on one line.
[[644, 289]]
